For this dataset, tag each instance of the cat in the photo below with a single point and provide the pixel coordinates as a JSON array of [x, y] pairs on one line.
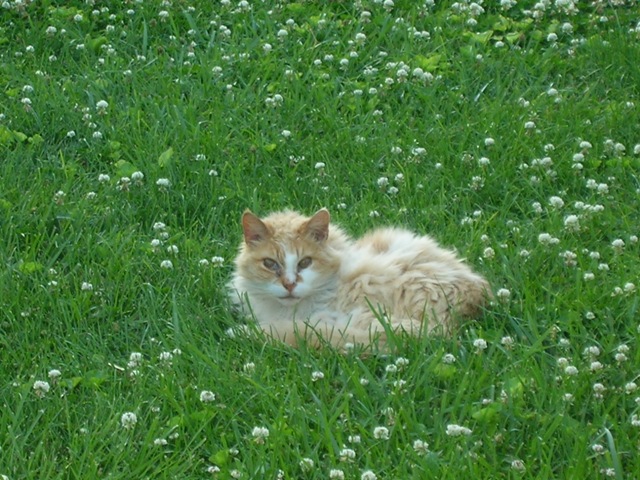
[[304, 278]]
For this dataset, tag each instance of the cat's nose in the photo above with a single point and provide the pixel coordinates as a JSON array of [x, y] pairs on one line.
[[289, 286]]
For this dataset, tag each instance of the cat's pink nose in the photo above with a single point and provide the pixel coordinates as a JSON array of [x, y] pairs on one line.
[[289, 286]]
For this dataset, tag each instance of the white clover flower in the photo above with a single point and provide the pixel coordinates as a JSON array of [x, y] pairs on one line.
[[317, 375], [448, 359], [588, 276], [529, 125], [173, 249], [618, 244], [86, 287], [166, 264], [508, 342], [354, 439], [503, 294], [306, 464], [285, 133], [596, 366], [207, 396], [41, 388], [381, 433], [347, 455], [420, 447], [320, 165], [391, 368], [165, 357], [570, 258], [592, 351], [572, 223], [368, 474], [571, 370], [137, 176], [518, 465], [336, 474], [135, 359], [249, 367], [547, 239], [401, 362], [217, 261], [630, 387], [260, 434], [556, 202], [102, 105], [54, 375], [489, 253], [163, 182], [128, 420], [383, 182], [454, 430], [623, 348], [480, 344]]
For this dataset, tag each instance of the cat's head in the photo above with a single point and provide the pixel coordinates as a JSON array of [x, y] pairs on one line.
[[287, 256]]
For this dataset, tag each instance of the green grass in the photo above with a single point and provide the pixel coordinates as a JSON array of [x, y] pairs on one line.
[[196, 103]]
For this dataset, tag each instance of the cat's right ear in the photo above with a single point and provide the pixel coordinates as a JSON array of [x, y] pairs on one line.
[[253, 228]]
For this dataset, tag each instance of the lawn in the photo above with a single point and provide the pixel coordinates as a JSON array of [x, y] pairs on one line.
[[134, 134]]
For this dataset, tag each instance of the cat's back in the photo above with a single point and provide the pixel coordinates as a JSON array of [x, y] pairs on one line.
[[388, 255], [391, 245]]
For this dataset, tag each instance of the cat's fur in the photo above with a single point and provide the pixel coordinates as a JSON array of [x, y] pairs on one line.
[[347, 287]]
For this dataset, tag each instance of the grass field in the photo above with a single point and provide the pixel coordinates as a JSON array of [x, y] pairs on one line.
[[133, 135]]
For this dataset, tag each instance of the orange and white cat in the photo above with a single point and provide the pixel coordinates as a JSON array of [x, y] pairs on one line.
[[304, 277]]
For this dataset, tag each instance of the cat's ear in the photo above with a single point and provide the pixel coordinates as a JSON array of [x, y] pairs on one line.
[[253, 228], [317, 227]]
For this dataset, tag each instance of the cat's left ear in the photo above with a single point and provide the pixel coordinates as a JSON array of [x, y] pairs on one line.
[[318, 226]]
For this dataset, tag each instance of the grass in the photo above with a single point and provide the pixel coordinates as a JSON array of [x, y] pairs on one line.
[[509, 108]]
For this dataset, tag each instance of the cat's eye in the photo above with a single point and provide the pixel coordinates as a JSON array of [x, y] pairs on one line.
[[304, 263], [271, 264]]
